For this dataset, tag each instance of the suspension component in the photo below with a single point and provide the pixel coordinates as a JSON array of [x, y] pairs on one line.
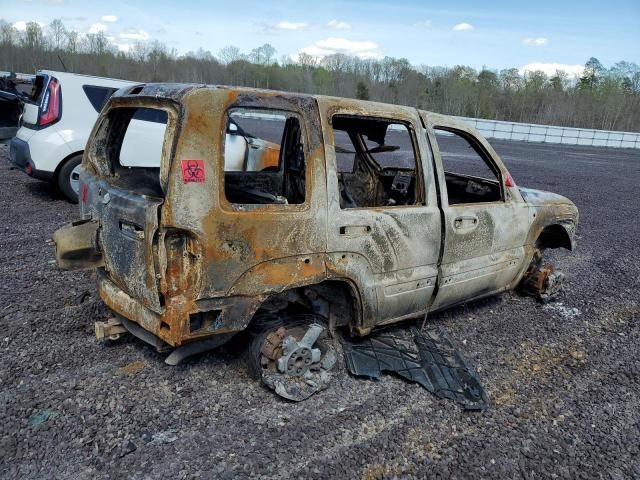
[[543, 282]]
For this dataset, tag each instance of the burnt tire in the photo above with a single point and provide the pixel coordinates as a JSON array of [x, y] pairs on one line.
[[264, 325], [292, 355], [69, 176], [261, 326]]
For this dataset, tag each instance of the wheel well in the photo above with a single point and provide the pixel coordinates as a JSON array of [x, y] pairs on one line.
[[334, 300], [554, 236], [61, 164]]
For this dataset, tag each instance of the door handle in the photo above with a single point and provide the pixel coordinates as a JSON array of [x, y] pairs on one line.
[[465, 221], [355, 230]]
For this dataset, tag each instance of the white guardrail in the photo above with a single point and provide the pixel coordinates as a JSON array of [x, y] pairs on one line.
[[529, 132]]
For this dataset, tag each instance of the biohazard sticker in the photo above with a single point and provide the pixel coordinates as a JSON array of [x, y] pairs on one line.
[[192, 171]]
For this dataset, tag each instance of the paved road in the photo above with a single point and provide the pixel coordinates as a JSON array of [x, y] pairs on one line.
[[563, 378]]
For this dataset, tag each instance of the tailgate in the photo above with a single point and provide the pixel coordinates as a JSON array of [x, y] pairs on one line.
[[129, 223]]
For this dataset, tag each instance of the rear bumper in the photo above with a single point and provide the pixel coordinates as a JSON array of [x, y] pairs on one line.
[[20, 156], [232, 314]]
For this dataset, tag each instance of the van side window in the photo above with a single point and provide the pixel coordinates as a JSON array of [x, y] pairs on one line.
[[97, 96], [470, 175], [264, 157], [376, 162]]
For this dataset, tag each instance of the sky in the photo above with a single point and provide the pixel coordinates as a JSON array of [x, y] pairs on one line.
[[498, 34]]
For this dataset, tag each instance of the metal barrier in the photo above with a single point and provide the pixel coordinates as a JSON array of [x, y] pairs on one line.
[[530, 132]]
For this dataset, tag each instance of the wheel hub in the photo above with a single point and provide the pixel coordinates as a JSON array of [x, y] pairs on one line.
[[543, 282], [293, 364]]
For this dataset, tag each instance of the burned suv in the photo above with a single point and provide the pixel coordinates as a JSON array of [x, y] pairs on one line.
[[290, 215]]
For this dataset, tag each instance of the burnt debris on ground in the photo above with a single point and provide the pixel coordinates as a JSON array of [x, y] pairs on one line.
[[426, 357]]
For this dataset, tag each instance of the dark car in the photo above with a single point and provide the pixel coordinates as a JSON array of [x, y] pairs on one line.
[[14, 90]]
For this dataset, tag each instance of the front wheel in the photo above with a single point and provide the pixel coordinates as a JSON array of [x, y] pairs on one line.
[[69, 178]]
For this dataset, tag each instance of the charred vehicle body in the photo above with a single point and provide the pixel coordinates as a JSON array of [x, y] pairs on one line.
[[289, 215]]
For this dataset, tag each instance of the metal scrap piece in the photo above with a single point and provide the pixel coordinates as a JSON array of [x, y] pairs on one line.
[[428, 359]]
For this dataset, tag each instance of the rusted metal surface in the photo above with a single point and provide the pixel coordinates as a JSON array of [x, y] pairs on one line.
[[111, 329], [77, 246], [542, 282], [186, 264], [271, 349]]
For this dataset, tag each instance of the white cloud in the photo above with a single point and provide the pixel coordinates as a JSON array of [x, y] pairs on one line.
[[21, 25], [336, 25], [124, 47], [463, 27], [97, 28], [536, 42], [332, 45], [550, 68], [135, 35], [109, 18], [291, 26]]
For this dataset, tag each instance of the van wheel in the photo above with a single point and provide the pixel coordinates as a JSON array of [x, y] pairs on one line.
[[69, 178]]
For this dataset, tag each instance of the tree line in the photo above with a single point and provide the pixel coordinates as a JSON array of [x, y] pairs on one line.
[[602, 98]]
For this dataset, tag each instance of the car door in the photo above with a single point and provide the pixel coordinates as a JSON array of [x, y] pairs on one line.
[[485, 218], [388, 247]]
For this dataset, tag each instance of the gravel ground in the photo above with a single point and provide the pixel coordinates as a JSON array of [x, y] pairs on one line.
[[563, 378]]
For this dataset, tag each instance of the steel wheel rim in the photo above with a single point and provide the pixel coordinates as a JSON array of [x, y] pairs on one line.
[[74, 179]]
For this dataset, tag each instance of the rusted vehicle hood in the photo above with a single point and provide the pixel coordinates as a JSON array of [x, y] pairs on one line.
[[541, 197]]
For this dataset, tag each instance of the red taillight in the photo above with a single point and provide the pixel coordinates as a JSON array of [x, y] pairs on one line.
[[508, 181], [50, 108]]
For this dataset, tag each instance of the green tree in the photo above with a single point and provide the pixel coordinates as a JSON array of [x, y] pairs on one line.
[[592, 74], [362, 91]]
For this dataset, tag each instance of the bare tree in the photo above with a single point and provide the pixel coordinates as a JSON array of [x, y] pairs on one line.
[[57, 34], [601, 98], [229, 54]]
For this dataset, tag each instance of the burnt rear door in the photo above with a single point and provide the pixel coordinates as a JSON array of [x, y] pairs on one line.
[[247, 184], [128, 196], [128, 237]]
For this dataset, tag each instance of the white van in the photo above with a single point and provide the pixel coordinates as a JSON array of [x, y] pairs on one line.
[[56, 123], [60, 114]]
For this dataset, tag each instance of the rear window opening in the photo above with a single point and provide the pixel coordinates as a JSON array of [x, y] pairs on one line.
[[376, 162], [133, 148], [264, 157]]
